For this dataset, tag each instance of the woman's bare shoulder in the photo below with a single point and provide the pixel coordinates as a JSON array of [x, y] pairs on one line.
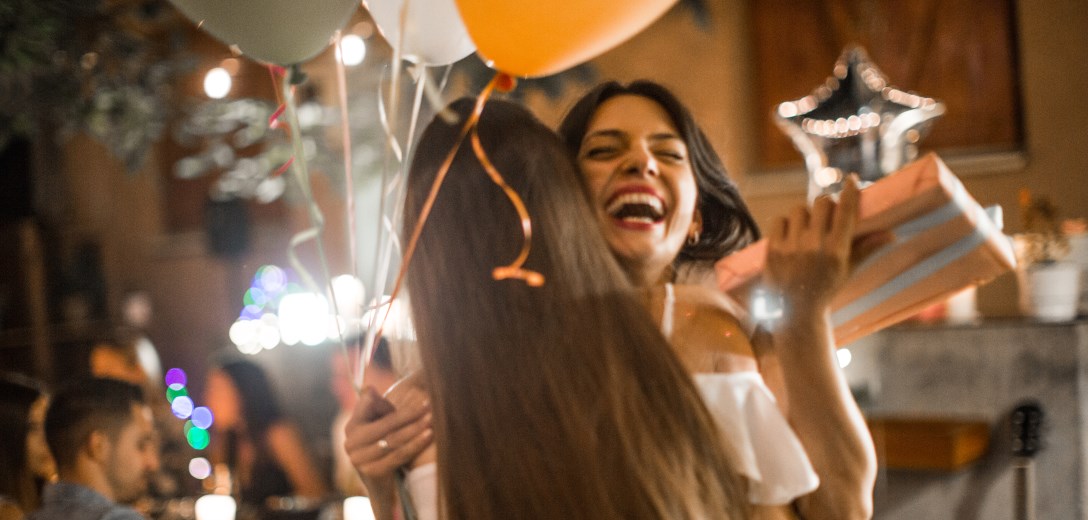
[[705, 323]]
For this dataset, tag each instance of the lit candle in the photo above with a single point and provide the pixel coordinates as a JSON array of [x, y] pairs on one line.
[[215, 507], [358, 508]]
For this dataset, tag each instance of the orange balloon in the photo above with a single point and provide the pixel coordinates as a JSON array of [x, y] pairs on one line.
[[537, 38]]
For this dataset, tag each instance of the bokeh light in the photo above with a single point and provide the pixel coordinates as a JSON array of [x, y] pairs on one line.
[[200, 468], [255, 296], [217, 83], [358, 508], [243, 331], [175, 376], [270, 278], [844, 357], [350, 294], [303, 317], [175, 391], [354, 50], [251, 312], [202, 417], [182, 406], [198, 438]]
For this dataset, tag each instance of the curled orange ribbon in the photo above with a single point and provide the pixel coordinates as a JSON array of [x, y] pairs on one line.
[[514, 270]]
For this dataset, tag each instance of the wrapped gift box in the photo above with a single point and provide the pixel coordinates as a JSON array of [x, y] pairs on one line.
[[944, 242]]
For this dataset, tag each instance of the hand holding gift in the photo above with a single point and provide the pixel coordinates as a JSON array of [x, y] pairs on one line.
[[944, 242]]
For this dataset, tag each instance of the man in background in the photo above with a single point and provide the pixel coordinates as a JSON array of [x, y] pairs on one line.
[[101, 435]]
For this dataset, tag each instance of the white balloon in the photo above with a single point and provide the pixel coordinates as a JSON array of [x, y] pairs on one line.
[[434, 33], [283, 32]]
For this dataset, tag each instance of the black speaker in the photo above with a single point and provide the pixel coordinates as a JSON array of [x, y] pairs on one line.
[[226, 225], [16, 195]]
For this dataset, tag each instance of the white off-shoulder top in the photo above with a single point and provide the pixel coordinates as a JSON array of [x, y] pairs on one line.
[[768, 452]]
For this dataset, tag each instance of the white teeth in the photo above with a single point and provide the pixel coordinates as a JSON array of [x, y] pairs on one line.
[[640, 220], [635, 198]]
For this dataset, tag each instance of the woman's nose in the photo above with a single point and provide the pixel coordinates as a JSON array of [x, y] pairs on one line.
[[641, 162]]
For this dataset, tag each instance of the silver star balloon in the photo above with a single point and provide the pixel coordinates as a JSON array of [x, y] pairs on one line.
[[855, 123]]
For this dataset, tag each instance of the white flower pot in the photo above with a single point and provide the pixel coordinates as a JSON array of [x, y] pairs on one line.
[[1050, 292]]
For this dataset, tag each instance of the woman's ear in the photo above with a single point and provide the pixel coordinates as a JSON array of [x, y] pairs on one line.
[[697, 221]]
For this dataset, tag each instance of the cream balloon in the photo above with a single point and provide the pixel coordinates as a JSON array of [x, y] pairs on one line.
[[283, 32], [434, 33]]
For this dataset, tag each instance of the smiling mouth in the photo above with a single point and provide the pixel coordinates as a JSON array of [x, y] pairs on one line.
[[636, 208]]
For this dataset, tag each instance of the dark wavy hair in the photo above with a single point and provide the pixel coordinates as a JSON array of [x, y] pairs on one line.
[[559, 401], [727, 223], [260, 407], [17, 396]]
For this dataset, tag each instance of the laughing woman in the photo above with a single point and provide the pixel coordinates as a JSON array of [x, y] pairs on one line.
[[666, 207]]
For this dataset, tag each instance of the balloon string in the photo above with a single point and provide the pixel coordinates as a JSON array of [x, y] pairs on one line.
[[349, 180], [390, 152], [317, 220], [514, 269]]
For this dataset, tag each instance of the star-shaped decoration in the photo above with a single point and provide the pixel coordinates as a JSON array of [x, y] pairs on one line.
[[855, 123]]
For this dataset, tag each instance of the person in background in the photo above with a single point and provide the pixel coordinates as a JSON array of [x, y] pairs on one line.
[[126, 355], [101, 435], [25, 461], [116, 357], [263, 449]]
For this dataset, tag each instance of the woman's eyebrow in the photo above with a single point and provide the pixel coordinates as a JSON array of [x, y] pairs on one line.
[[664, 136], [607, 132]]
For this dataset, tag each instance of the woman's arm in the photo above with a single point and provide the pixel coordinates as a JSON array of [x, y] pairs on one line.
[[287, 447], [808, 262], [406, 430]]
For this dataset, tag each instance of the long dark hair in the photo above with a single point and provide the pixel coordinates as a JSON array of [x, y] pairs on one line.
[[17, 396], [727, 223], [260, 407], [560, 401]]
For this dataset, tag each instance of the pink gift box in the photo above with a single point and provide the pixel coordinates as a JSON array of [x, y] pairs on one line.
[[944, 242]]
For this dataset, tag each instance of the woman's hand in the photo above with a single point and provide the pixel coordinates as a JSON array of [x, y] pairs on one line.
[[809, 252], [381, 437], [808, 261]]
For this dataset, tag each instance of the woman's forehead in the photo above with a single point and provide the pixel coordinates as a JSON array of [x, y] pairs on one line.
[[630, 112]]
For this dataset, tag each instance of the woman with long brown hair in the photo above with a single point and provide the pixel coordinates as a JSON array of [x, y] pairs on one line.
[[559, 401], [25, 461]]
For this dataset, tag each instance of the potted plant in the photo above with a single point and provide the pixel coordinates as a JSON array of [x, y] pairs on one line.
[[1049, 286]]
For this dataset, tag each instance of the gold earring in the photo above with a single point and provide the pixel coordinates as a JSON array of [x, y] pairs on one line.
[[693, 237]]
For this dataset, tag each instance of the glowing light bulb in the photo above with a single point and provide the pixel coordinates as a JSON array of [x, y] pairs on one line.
[[217, 83], [352, 50]]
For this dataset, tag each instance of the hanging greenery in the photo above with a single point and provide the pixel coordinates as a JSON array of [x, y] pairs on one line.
[[101, 66]]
